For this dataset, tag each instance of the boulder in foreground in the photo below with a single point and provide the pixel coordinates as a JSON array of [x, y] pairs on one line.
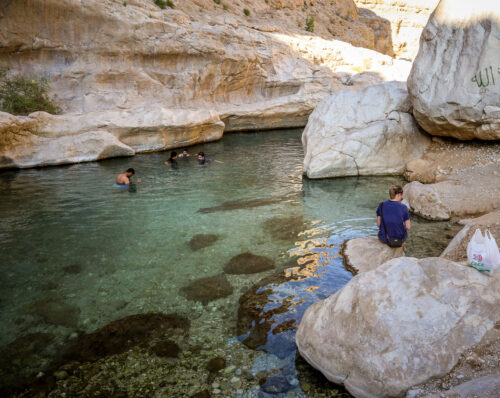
[[455, 78], [399, 325], [364, 132]]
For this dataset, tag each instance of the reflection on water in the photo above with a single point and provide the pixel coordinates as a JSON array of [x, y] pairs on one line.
[[83, 262]]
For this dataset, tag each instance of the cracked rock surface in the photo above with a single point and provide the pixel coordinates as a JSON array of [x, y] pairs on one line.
[[413, 319], [364, 132]]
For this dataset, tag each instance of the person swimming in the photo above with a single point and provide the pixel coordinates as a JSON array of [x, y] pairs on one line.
[[123, 179], [172, 160], [202, 159], [185, 154]]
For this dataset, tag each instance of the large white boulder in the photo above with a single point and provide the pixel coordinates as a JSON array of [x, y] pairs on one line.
[[399, 325], [362, 133], [42, 139], [454, 84]]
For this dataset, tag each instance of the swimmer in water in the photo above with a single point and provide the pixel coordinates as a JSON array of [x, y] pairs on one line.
[[124, 178], [172, 160], [202, 159], [185, 154]]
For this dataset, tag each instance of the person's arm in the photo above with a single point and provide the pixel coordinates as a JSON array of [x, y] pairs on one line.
[[378, 221], [408, 224]]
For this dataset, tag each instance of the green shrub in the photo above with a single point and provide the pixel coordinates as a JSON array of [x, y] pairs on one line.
[[161, 3], [217, 1], [124, 4], [246, 11], [21, 96], [224, 6], [310, 24], [170, 3]]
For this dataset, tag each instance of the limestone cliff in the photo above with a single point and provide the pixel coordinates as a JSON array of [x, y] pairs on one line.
[[261, 70], [407, 18]]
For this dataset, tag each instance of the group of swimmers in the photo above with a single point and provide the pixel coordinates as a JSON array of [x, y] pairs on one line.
[[172, 160], [123, 179]]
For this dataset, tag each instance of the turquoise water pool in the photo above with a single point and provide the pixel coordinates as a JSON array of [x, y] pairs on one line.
[[78, 253]]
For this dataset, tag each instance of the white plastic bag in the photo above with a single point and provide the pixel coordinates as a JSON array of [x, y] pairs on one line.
[[483, 253]]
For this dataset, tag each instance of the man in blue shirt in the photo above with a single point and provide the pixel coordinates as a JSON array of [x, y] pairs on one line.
[[396, 217]]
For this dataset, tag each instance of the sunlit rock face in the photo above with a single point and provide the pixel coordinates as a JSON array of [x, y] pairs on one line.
[[259, 71], [44, 139], [399, 325], [364, 132], [406, 19], [454, 84]]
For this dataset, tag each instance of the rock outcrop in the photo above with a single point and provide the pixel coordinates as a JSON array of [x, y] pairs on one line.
[[399, 325], [259, 71], [457, 249], [365, 254], [464, 193], [44, 139], [406, 19], [455, 78], [364, 132]]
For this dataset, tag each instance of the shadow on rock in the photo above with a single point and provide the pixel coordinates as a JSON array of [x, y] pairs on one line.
[[248, 263], [201, 241], [207, 289], [314, 383]]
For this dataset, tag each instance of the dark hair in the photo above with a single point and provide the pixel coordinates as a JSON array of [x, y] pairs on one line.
[[201, 154], [131, 170], [173, 154], [395, 190], [184, 150]]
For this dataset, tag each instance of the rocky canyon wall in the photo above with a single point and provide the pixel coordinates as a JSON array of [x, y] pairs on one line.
[[256, 71], [407, 18]]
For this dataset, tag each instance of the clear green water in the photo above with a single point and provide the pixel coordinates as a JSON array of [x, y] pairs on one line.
[[96, 254]]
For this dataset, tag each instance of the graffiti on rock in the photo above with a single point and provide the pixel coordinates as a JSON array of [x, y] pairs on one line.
[[486, 77]]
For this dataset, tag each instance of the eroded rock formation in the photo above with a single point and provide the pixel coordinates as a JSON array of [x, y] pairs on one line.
[[256, 72], [362, 133], [455, 79], [412, 320], [407, 18]]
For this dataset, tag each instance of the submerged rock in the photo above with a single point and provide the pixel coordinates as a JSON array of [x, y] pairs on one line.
[[207, 289], [257, 309], [166, 348], [366, 132], [248, 263], [55, 312], [201, 241], [284, 228], [454, 80], [242, 204], [216, 364], [72, 269], [365, 254], [399, 325], [122, 334]]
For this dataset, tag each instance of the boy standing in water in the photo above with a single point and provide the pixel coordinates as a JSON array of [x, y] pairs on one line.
[[396, 217], [124, 178]]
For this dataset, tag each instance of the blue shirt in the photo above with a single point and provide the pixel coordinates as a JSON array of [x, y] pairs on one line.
[[395, 215]]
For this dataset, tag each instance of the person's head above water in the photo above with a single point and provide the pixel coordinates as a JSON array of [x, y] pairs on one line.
[[130, 172], [201, 156], [173, 155], [396, 192], [185, 152]]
